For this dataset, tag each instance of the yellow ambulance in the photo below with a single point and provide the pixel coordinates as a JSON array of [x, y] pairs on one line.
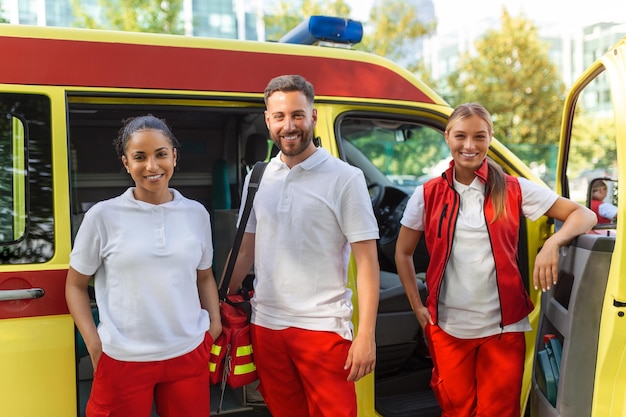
[[63, 95]]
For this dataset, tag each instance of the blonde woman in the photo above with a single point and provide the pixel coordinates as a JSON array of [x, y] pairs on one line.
[[477, 306]]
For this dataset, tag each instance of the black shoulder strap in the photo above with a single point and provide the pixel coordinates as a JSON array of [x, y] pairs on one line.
[[253, 186]]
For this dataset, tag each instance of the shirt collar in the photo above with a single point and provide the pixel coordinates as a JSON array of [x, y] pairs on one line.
[[476, 184], [316, 158], [130, 196], [480, 176]]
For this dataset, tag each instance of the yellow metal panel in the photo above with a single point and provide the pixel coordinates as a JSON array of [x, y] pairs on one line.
[[38, 370], [609, 396]]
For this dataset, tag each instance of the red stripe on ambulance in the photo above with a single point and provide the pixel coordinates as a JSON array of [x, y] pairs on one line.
[[101, 64]]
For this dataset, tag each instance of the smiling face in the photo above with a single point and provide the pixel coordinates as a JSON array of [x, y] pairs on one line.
[[290, 119], [468, 138], [150, 159]]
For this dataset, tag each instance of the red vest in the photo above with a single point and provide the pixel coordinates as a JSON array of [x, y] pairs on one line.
[[595, 207], [442, 209]]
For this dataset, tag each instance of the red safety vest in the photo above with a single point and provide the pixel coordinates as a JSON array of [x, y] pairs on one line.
[[595, 207], [442, 208]]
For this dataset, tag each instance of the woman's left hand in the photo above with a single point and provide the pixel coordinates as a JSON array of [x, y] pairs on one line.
[[577, 220], [546, 271]]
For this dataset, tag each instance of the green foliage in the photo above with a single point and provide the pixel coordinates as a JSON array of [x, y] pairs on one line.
[[511, 74], [155, 16], [593, 144], [287, 14], [420, 151], [2, 18], [393, 28], [391, 31]]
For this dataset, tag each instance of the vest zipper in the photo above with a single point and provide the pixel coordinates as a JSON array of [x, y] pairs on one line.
[[441, 219]]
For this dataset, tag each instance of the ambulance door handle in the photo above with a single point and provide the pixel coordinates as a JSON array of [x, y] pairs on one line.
[[10, 295]]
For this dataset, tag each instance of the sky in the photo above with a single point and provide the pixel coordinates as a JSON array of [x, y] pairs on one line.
[[453, 14]]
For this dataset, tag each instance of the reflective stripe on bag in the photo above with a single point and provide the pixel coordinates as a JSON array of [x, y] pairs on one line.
[[244, 369]]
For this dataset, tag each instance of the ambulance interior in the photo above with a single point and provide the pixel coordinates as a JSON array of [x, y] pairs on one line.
[[219, 144]]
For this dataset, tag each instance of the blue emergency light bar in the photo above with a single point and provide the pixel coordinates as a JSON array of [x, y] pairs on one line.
[[325, 29]]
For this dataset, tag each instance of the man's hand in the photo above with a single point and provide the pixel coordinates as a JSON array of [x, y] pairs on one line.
[[361, 358]]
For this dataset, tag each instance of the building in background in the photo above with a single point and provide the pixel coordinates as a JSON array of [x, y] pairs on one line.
[[415, 50], [595, 41], [232, 19], [571, 48]]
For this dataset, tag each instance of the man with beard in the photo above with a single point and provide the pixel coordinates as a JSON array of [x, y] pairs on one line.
[[310, 211]]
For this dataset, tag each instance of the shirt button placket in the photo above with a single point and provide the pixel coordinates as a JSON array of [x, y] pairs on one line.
[[160, 227]]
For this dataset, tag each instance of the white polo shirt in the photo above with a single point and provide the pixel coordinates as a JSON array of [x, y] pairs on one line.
[[469, 306], [304, 219], [145, 259]]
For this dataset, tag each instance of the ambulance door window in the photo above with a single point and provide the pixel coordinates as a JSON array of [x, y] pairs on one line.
[[592, 161], [12, 179], [26, 210], [400, 154]]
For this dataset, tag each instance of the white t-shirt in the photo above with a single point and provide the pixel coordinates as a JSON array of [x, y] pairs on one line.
[[607, 210], [469, 306], [304, 219], [145, 259]]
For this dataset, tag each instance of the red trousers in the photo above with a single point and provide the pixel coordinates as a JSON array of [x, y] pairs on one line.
[[301, 372], [477, 377], [179, 386]]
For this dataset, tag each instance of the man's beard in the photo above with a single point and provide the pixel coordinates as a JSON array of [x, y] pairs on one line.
[[304, 144]]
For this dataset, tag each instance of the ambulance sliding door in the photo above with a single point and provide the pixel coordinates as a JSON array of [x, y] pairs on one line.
[[37, 361]]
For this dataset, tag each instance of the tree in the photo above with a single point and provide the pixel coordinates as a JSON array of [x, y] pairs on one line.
[[512, 75], [393, 30], [155, 16], [289, 14], [2, 18]]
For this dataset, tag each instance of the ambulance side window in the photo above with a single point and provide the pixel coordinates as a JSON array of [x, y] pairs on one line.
[[26, 211], [592, 163], [400, 154]]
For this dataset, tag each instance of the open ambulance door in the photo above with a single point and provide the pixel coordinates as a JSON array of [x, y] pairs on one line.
[[580, 362]]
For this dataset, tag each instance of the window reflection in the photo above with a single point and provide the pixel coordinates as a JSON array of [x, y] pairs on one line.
[[592, 162], [394, 153], [27, 226]]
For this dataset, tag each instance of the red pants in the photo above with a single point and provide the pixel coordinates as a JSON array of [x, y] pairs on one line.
[[179, 386], [477, 377], [301, 372]]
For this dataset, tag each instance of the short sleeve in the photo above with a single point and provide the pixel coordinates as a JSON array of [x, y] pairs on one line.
[[536, 199], [206, 260], [413, 217], [86, 253], [355, 213]]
